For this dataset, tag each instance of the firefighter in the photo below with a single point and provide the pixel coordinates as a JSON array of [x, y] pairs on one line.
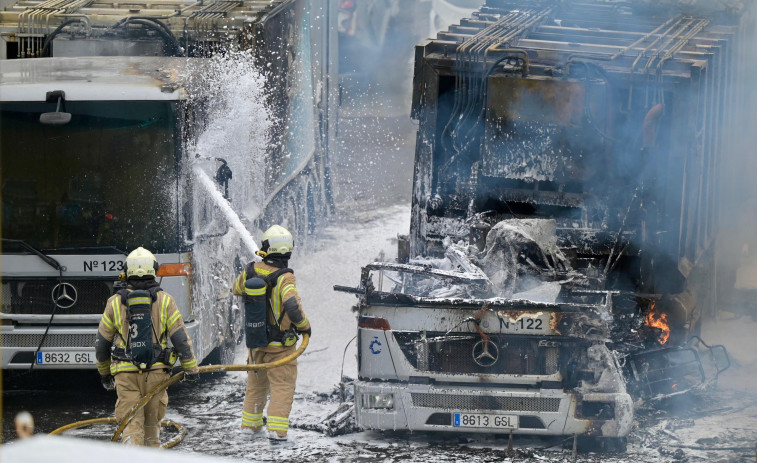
[[137, 323], [283, 319]]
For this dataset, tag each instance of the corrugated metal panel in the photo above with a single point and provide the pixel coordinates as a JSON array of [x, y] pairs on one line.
[[485, 402]]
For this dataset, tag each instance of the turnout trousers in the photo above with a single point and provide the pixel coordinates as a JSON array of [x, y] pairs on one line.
[[279, 382], [144, 429]]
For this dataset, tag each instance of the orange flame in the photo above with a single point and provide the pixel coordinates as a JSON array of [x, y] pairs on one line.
[[659, 320]]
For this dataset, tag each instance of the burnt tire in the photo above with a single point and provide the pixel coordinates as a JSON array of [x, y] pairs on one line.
[[602, 444]]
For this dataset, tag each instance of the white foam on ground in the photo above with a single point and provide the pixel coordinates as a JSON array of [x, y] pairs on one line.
[[339, 252], [47, 449]]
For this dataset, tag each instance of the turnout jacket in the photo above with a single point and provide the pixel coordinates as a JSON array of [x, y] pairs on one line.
[[284, 299], [167, 323]]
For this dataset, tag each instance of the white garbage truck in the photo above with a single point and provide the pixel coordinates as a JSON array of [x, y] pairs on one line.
[[101, 107]]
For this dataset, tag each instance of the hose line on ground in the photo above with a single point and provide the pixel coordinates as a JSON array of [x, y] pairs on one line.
[[173, 380], [112, 419]]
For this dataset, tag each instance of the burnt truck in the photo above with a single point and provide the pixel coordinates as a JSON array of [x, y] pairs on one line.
[[116, 132], [569, 174]]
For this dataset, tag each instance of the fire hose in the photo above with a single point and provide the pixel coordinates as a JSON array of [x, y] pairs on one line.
[[171, 381]]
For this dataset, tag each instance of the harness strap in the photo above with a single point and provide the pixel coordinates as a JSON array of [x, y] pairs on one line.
[[123, 293]]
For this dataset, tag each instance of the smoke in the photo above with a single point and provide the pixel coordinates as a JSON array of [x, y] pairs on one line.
[[735, 317], [373, 164], [644, 126]]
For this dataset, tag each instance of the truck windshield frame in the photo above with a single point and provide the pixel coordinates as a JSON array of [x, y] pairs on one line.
[[108, 178]]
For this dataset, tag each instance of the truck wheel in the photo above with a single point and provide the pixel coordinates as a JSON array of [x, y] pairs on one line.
[[602, 444], [615, 444], [222, 355]]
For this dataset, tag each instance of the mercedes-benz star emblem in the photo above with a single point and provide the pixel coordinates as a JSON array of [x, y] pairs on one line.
[[64, 295], [485, 353]]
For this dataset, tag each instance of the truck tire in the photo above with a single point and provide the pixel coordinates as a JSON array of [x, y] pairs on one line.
[[222, 355], [602, 444]]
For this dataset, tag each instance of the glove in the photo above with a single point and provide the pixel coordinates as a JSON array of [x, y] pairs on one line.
[[307, 331], [108, 382], [191, 377]]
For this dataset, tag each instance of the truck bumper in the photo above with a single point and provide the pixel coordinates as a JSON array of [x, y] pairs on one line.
[[420, 407], [19, 344]]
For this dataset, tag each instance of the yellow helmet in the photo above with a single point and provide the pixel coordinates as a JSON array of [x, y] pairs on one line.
[[277, 240], [141, 263]]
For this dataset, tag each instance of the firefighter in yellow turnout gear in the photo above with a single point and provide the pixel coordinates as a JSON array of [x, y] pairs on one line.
[[284, 317], [121, 350]]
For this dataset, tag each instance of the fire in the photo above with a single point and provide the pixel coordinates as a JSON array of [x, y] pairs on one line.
[[659, 320]]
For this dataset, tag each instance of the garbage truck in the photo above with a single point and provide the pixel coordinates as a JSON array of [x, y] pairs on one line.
[[568, 185], [103, 106]]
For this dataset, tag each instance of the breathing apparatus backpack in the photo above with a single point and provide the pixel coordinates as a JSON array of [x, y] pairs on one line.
[[258, 332], [140, 349]]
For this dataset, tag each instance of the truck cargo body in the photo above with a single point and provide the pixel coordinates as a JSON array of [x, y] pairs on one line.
[[98, 158], [569, 154], [561, 134]]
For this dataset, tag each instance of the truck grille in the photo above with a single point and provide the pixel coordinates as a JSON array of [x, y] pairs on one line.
[[35, 297], [483, 402], [51, 340], [518, 355]]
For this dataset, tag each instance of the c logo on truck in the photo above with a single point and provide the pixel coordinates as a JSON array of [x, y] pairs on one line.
[[375, 346], [485, 353], [64, 295]]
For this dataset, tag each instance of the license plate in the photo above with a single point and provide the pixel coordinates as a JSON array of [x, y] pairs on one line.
[[525, 323], [480, 420], [65, 358]]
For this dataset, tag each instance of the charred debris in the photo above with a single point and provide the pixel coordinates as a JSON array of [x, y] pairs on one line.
[[569, 160]]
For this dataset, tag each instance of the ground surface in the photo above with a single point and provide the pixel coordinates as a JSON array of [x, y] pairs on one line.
[[715, 425]]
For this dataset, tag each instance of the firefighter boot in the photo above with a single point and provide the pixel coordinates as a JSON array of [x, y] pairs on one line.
[[253, 433], [275, 438]]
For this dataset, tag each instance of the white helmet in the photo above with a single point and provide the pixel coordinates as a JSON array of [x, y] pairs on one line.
[[141, 263], [277, 240]]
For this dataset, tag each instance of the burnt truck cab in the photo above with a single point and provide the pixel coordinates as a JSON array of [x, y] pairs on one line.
[[439, 351]]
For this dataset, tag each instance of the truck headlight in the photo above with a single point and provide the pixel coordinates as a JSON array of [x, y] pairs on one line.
[[378, 400]]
